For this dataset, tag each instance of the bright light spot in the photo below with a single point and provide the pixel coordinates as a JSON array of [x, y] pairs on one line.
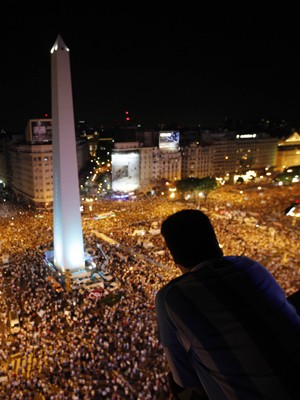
[[292, 212]]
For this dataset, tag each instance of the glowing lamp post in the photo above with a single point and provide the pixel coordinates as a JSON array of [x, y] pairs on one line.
[[201, 195], [172, 193]]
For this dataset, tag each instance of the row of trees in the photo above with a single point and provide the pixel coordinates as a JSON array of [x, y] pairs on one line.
[[288, 176], [195, 186]]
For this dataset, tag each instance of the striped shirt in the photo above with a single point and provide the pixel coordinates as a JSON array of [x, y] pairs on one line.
[[227, 326]]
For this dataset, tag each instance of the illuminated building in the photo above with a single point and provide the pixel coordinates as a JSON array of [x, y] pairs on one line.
[[255, 152], [30, 172], [135, 167], [288, 152], [227, 154], [197, 161]]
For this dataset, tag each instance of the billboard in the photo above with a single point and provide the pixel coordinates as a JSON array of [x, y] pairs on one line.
[[40, 131], [125, 171], [169, 140]]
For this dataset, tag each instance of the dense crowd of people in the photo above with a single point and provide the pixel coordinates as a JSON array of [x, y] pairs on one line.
[[107, 348]]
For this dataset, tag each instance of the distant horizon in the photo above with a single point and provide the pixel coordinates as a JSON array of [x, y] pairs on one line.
[[226, 120], [276, 127]]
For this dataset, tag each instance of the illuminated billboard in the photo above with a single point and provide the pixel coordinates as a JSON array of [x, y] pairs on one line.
[[39, 130], [125, 171], [169, 140]]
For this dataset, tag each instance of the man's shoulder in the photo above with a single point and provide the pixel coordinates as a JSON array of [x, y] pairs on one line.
[[170, 286]]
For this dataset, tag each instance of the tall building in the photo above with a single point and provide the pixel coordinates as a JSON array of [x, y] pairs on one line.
[[68, 235], [255, 151], [228, 154], [197, 160], [31, 167], [28, 165], [137, 167]]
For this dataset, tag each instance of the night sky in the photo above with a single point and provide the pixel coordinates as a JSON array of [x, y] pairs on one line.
[[164, 64]]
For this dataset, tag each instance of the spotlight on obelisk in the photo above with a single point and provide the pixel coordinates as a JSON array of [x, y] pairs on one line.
[[68, 236]]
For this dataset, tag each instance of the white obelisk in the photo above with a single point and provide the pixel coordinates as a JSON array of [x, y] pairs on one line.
[[68, 236]]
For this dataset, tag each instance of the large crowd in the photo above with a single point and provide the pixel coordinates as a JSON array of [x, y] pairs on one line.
[[107, 348]]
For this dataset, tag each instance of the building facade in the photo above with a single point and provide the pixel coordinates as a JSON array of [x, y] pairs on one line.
[[288, 152], [32, 176], [137, 167], [27, 165], [255, 152], [222, 155]]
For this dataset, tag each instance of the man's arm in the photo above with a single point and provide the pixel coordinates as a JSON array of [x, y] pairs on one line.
[[178, 359], [180, 393]]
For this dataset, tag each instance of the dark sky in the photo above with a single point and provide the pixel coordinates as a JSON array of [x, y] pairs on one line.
[[175, 63]]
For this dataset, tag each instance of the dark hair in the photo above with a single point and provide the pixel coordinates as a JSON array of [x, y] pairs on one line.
[[190, 237]]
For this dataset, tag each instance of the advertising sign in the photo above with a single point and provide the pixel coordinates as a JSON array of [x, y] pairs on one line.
[[41, 130], [125, 171], [169, 140]]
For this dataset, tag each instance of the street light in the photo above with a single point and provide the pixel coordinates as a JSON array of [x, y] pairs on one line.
[[201, 194], [90, 205], [172, 192]]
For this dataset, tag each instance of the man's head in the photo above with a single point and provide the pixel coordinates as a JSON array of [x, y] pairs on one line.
[[190, 237]]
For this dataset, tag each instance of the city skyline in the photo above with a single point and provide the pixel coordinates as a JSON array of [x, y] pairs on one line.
[[162, 65]]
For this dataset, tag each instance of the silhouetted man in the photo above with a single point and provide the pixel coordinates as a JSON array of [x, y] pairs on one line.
[[227, 329]]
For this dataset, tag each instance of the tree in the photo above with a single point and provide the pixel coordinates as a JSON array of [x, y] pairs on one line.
[[194, 186], [284, 178], [207, 185]]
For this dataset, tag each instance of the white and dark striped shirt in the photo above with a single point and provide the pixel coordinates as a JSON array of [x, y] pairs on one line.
[[227, 326]]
